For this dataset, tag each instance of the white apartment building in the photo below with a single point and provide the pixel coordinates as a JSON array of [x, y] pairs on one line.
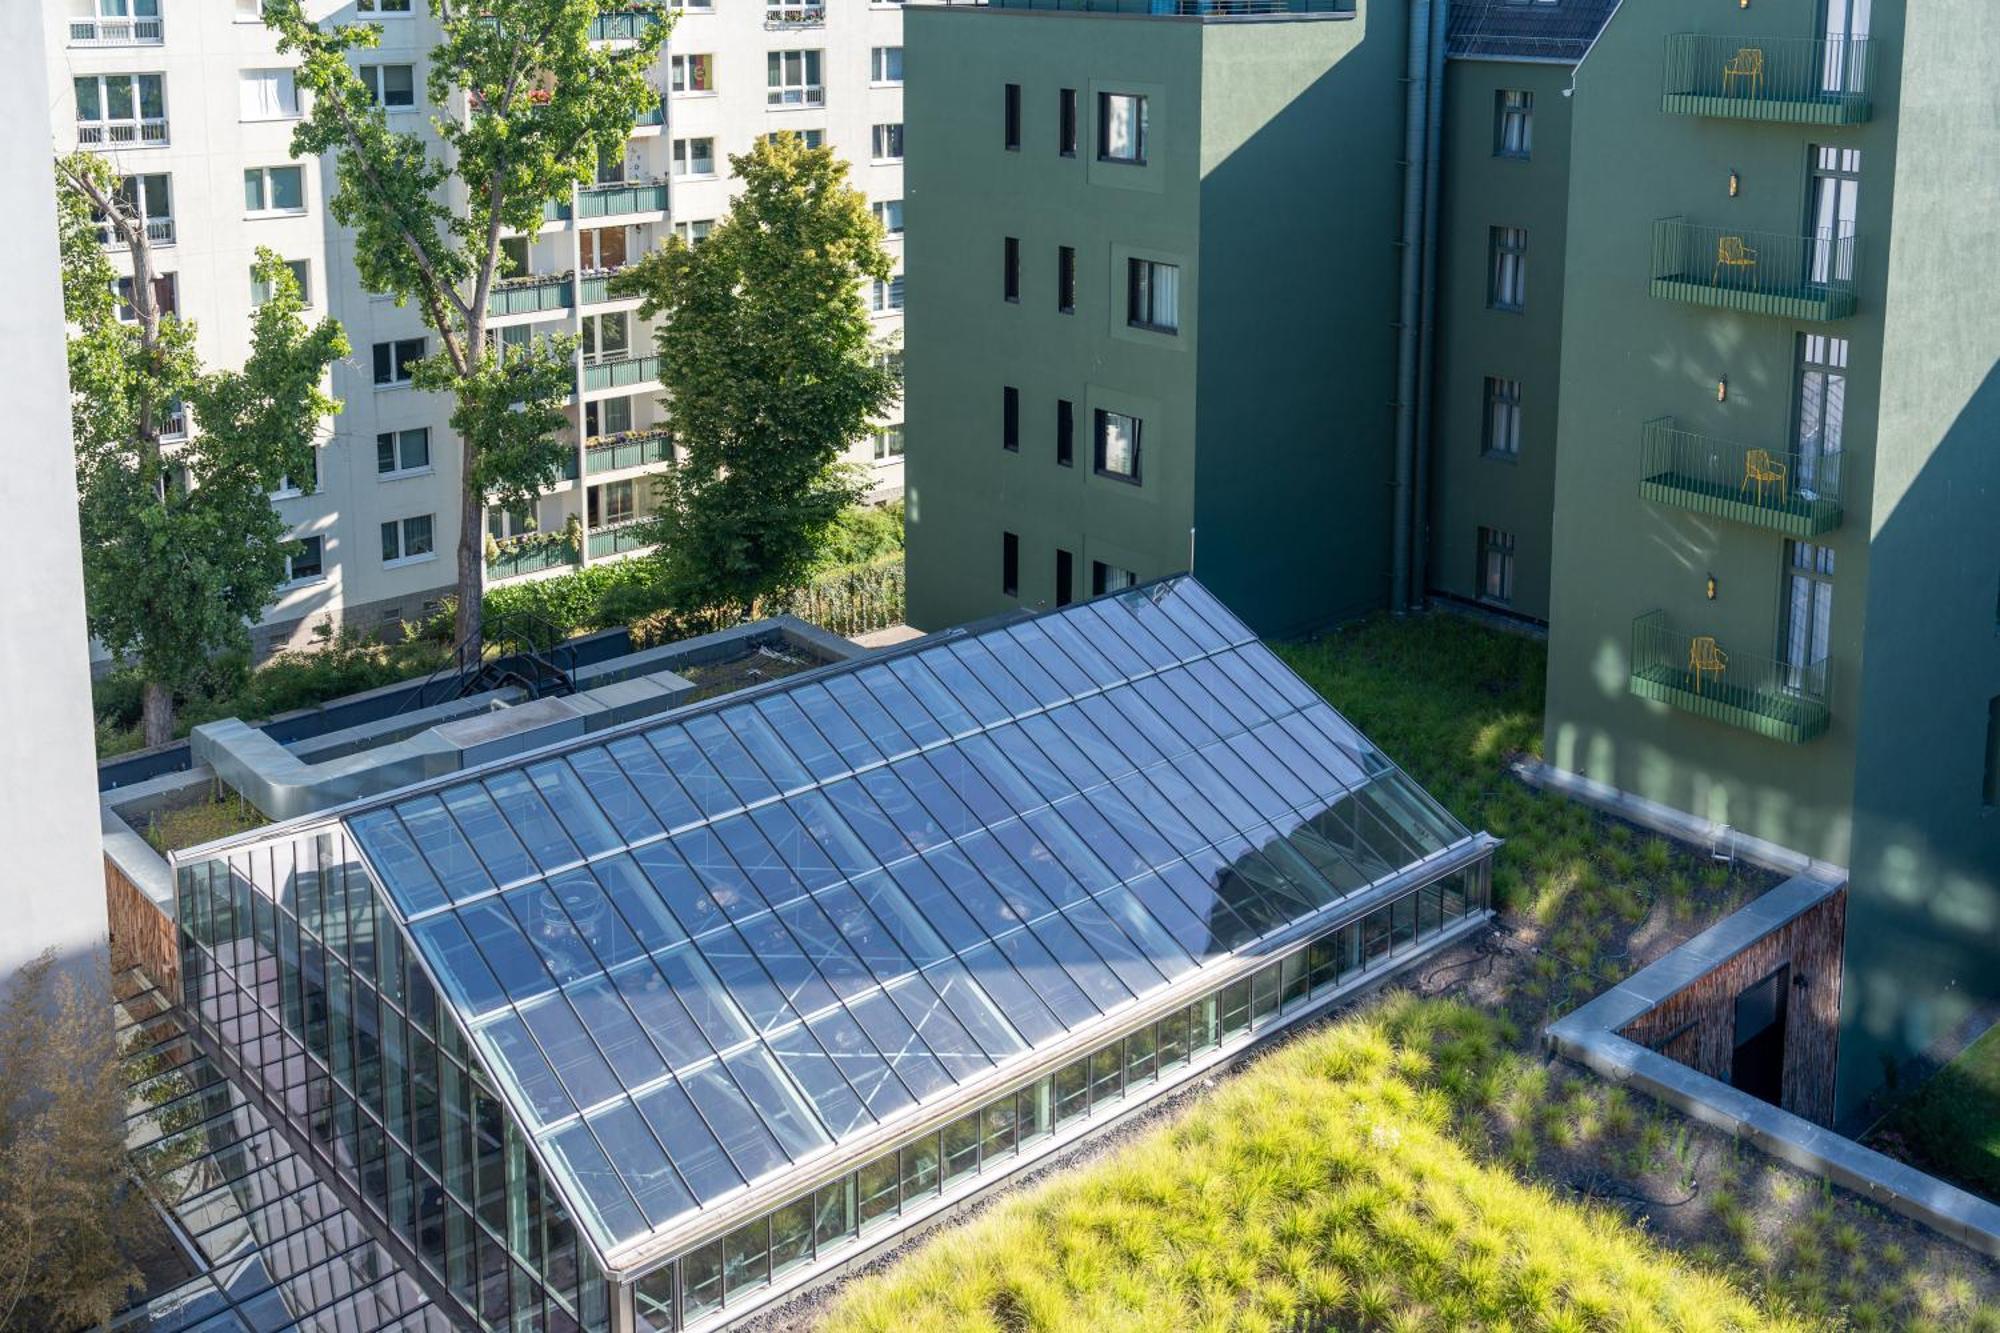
[[190, 99]]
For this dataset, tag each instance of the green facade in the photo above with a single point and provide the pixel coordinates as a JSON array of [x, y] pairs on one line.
[[1267, 437]]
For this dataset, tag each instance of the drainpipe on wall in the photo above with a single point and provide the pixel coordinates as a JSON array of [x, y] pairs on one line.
[[1415, 103], [1420, 506]]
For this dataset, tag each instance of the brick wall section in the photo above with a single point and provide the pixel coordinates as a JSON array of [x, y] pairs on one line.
[[1697, 1024], [142, 936]]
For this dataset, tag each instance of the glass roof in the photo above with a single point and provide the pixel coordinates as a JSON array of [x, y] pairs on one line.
[[699, 952]]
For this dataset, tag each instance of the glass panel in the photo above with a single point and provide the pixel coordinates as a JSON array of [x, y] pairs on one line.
[[689, 1143], [734, 1121], [920, 1169], [746, 1259], [791, 1235], [961, 1148], [878, 1189], [641, 1163]]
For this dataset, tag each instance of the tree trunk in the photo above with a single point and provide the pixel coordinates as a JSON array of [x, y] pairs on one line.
[[157, 712], [471, 567]]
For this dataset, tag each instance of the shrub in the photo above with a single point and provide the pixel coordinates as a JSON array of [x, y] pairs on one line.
[[863, 535]]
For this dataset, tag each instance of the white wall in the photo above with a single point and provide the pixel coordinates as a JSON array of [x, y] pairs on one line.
[[51, 868]]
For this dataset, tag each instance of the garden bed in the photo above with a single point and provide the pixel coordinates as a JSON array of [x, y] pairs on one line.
[[222, 815], [1951, 1125]]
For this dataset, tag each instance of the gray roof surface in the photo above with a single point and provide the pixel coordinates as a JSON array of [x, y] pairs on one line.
[[1560, 30]]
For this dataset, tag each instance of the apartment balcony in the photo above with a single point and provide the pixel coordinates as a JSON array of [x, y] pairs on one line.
[[531, 295], [634, 534], [620, 197], [1759, 694], [530, 555], [1785, 80], [623, 25], [159, 231], [595, 289], [639, 448], [652, 117], [794, 14], [1785, 491], [138, 132], [146, 31], [616, 370], [1756, 272]]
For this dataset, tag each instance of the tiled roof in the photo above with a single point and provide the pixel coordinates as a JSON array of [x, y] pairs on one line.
[[1525, 29]]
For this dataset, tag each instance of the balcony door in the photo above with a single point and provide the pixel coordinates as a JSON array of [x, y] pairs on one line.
[[1822, 412], [1836, 202], [1807, 632], [1846, 32]]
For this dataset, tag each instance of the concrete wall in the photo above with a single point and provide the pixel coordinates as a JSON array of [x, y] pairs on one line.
[[52, 886]]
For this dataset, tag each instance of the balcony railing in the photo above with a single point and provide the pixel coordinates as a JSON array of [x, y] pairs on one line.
[[1760, 272], [529, 557], [529, 296], [635, 449], [148, 132], [1224, 9], [792, 14], [602, 201], [1789, 491], [1791, 80], [160, 231], [624, 25], [1695, 674], [655, 114], [117, 32], [616, 370], [634, 534], [595, 288]]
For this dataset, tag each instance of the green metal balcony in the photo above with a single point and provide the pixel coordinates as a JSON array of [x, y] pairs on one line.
[[632, 449], [556, 210], [1757, 272], [653, 116], [1758, 694], [1791, 492], [531, 296], [623, 25], [615, 372], [1787, 80], [603, 201], [634, 534], [596, 289], [529, 557]]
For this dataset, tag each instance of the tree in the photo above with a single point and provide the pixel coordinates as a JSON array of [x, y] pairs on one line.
[[523, 108], [771, 370], [71, 1209], [181, 547]]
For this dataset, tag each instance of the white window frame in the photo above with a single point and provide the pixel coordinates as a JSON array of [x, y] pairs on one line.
[[684, 158], [278, 96], [888, 298], [880, 59], [397, 379], [686, 230], [680, 67], [396, 440], [794, 79], [887, 443], [402, 529], [301, 273], [373, 77], [137, 130], [293, 579], [264, 176], [880, 138], [885, 210]]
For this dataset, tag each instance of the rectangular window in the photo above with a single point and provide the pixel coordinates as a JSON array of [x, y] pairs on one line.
[[1066, 122], [793, 79], [691, 75], [694, 157], [1153, 295], [1992, 787], [1010, 564], [166, 295], [269, 94], [607, 337], [395, 362], [886, 143], [403, 451], [406, 539], [149, 200], [382, 6], [889, 212], [260, 290], [1065, 577], [125, 109], [607, 416], [612, 503], [1807, 636], [1065, 432], [604, 249], [1066, 279], [1117, 448], [694, 231], [888, 443], [1121, 128], [308, 562], [1012, 118], [1503, 418], [1496, 565], [1011, 269], [390, 85], [783, 12], [1513, 123], [885, 65], [274, 190], [1821, 417], [1010, 419], [885, 298], [1109, 578], [1507, 289], [814, 138]]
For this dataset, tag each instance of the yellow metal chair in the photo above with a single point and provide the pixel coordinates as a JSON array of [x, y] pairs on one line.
[[1746, 64], [1705, 655], [1762, 470], [1731, 252]]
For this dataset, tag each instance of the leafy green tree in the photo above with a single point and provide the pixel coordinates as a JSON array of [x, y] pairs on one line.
[[771, 370], [524, 107], [181, 547]]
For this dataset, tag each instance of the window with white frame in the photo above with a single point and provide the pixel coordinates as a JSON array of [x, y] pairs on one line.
[[607, 416], [261, 290], [400, 453], [128, 110], [886, 144], [268, 191], [694, 157], [694, 6], [166, 295], [794, 78], [1508, 285], [308, 562], [396, 362], [268, 94], [1496, 566], [691, 75], [1513, 123], [149, 201], [888, 443], [885, 65], [886, 297], [810, 138], [305, 483], [407, 539], [390, 85], [1503, 418], [249, 11], [1153, 295], [889, 212], [613, 503], [1117, 448], [607, 336], [383, 6], [1121, 128], [694, 230]]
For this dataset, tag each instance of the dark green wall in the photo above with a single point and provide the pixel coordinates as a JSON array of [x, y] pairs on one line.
[[1481, 190]]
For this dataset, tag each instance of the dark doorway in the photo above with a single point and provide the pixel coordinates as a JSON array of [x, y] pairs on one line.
[[1757, 1065]]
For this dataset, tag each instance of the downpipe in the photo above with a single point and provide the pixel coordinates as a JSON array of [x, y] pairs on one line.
[[1416, 103], [1420, 505]]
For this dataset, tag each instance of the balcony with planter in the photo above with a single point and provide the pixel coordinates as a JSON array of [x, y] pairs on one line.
[[1785, 491], [532, 553], [531, 295], [595, 287], [1783, 80], [616, 370], [1698, 675], [617, 198], [1756, 272], [633, 534], [630, 449]]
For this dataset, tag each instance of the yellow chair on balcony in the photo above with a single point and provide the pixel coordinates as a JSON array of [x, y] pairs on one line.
[[1704, 654], [1761, 470], [1731, 252], [1746, 64]]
